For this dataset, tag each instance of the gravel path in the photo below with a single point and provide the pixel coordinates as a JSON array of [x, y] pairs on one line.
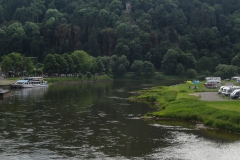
[[212, 96]]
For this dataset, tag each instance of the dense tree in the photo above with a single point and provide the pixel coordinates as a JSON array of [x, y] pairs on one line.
[[50, 65], [148, 31], [100, 66], [6, 64], [62, 63], [148, 69], [69, 62], [119, 65], [191, 73], [206, 63], [226, 71], [137, 67], [236, 60], [16, 64], [106, 63], [84, 61], [180, 70], [170, 61]]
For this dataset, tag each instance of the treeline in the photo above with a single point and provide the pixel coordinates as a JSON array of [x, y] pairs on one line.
[[175, 36], [78, 63]]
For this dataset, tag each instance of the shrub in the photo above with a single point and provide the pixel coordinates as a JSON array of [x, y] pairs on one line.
[[89, 75], [191, 73], [80, 75], [159, 77]]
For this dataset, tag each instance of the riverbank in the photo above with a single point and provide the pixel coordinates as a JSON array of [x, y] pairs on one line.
[[51, 80], [5, 81], [179, 102]]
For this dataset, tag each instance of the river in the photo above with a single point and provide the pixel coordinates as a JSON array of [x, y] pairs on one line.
[[96, 121]]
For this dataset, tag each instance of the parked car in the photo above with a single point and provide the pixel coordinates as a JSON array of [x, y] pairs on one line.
[[235, 94]]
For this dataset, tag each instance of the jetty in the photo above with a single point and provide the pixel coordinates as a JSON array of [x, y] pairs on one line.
[[4, 93]]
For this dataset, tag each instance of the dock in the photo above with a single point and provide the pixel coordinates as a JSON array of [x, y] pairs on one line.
[[4, 93]]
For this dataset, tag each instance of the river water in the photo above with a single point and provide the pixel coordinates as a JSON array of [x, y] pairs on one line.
[[96, 121]]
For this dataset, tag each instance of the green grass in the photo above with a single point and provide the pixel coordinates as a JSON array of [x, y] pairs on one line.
[[195, 110], [225, 105], [176, 102]]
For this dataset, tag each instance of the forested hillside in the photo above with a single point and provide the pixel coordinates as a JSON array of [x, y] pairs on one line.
[[174, 35]]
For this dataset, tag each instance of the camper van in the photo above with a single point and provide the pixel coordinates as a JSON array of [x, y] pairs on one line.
[[212, 83], [221, 89], [238, 80], [235, 94], [228, 90], [213, 78]]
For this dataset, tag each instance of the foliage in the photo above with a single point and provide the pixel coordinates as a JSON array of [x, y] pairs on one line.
[[226, 71], [148, 69], [172, 59], [191, 73], [78, 79], [165, 33], [15, 64], [137, 67]]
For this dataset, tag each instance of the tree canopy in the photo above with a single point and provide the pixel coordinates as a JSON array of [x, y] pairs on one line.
[[174, 36]]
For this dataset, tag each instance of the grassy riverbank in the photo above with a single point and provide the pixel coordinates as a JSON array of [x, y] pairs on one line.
[[178, 102]]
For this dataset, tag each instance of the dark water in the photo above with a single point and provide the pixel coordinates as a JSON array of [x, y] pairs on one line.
[[96, 121]]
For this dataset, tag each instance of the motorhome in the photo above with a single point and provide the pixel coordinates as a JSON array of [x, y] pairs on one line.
[[213, 78], [238, 80], [228, 90], [221, 89], [212, 83], [235, 78]]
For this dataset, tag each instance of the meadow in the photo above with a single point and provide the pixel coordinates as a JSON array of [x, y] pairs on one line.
[[176, 102]]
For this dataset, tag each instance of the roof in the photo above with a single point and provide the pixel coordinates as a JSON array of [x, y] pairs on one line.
[[22, 81]]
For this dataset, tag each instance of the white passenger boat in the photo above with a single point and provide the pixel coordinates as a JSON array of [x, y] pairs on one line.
[[30, 82]]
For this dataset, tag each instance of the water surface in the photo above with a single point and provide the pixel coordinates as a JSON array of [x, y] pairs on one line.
[[96, 121]]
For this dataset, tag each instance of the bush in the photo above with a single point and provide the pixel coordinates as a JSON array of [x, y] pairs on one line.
[[191, 73], [80, 75], [159, 77], [89, 75]]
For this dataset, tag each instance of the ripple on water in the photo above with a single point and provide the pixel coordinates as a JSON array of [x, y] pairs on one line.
[[170, 127], [185, 146], [115, 97]]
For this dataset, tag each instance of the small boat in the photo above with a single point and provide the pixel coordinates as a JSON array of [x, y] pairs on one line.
[[30, 82]]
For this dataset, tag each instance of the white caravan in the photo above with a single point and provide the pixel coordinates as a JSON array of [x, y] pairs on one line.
[[228, 90], [221, 89], [213, 83]]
